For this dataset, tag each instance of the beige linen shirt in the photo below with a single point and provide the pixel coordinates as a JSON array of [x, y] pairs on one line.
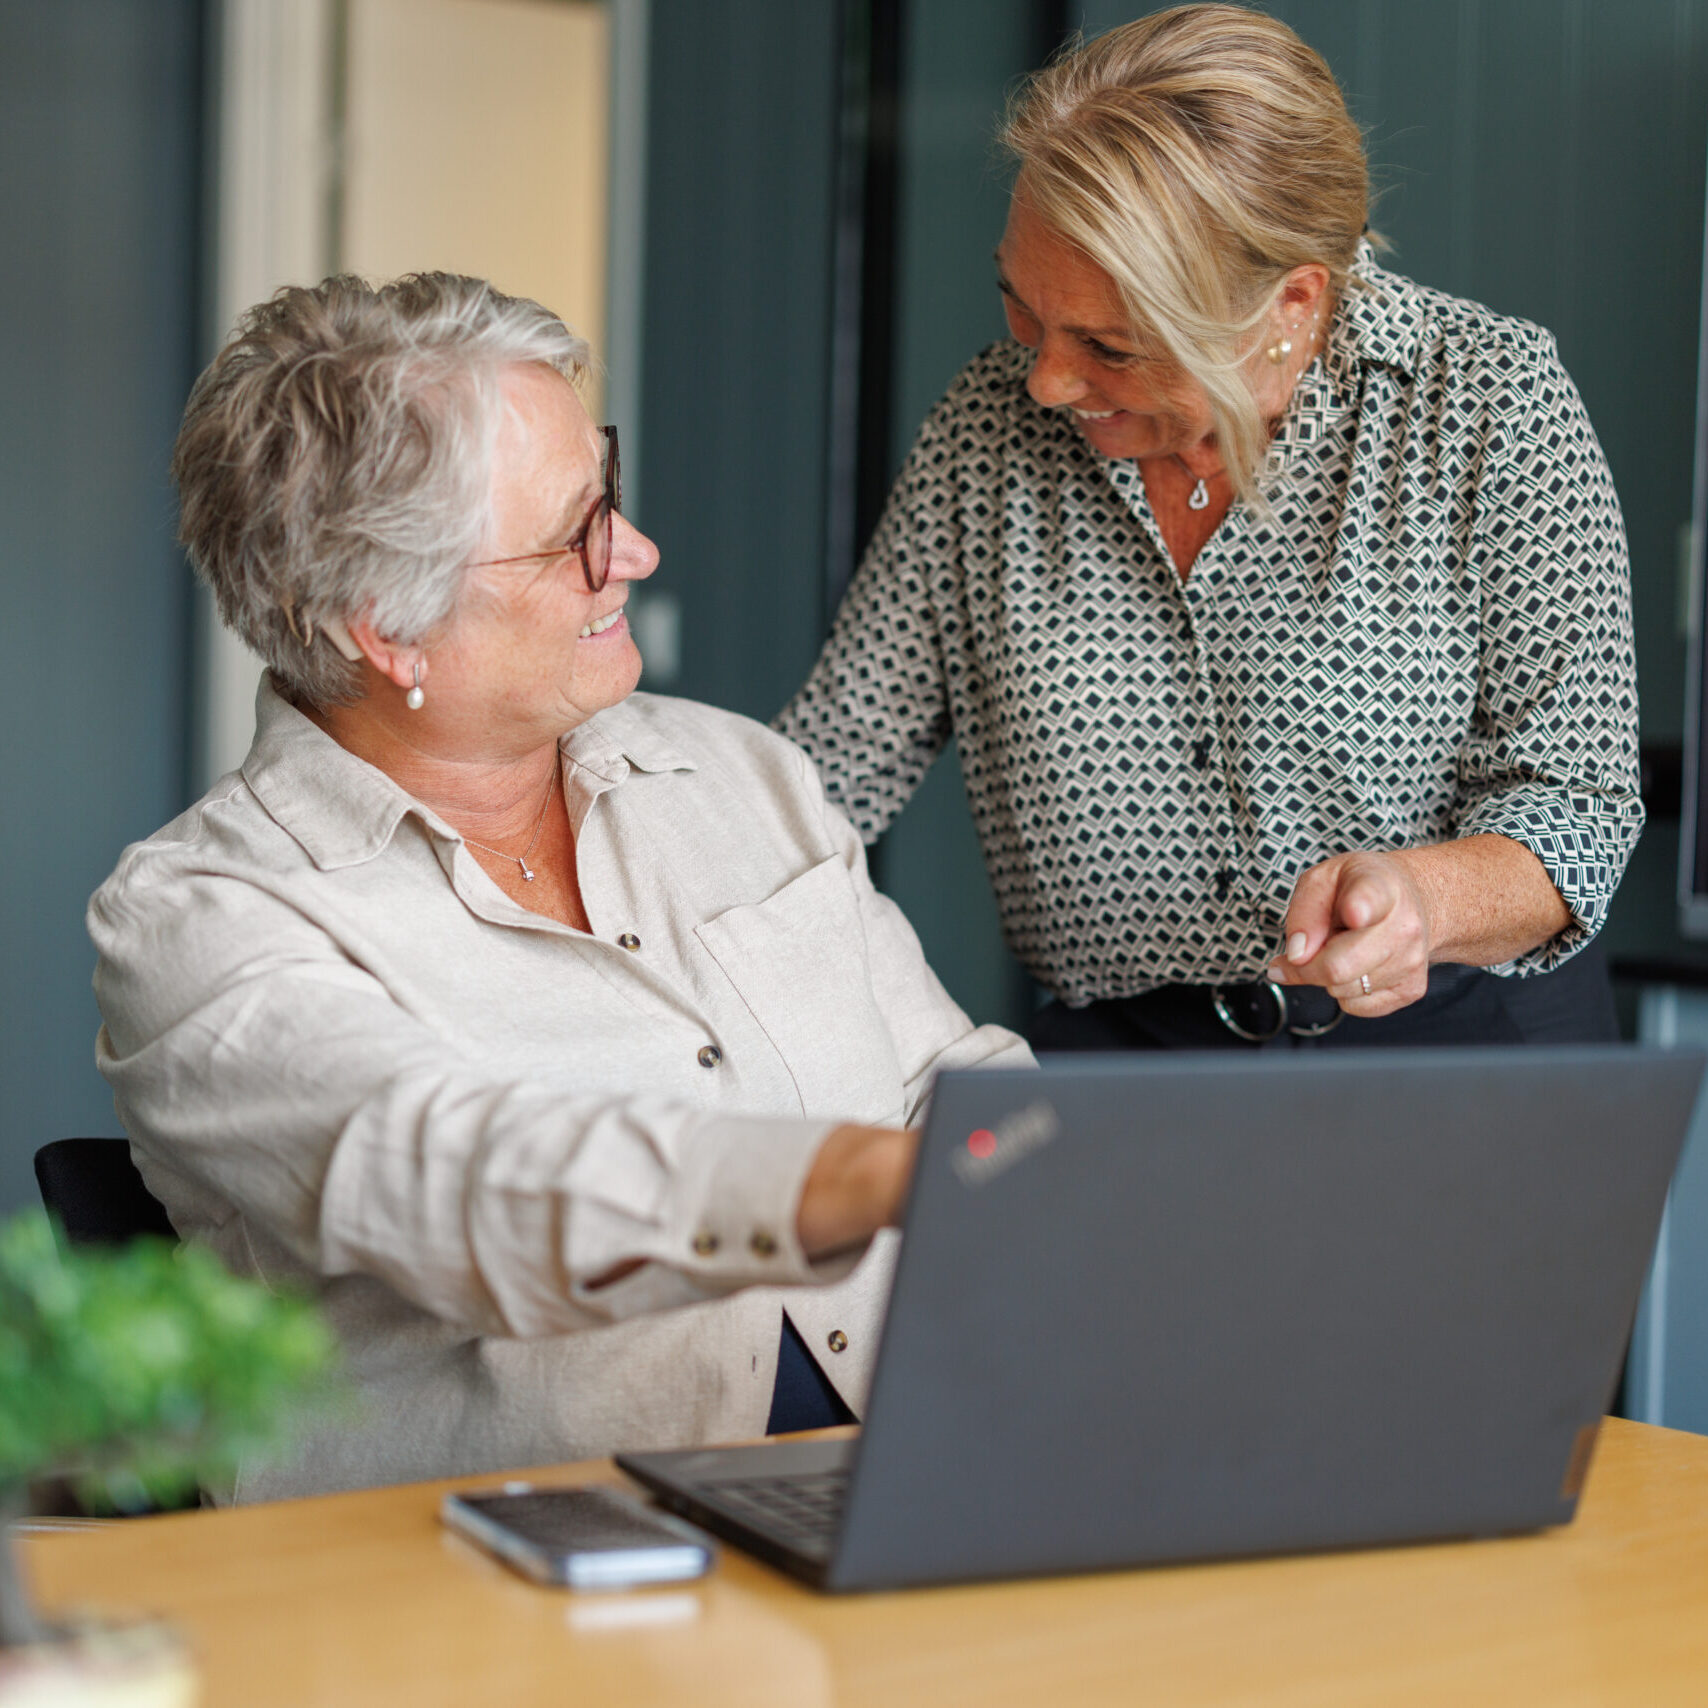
[[349, 1062]]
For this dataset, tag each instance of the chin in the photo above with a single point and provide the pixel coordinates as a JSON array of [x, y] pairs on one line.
[[1129, 439], [621, 680]]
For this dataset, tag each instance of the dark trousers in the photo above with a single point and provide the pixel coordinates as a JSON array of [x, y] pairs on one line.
[[1464, 1005]]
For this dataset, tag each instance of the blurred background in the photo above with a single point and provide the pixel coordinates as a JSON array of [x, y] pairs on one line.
[[774, 219]]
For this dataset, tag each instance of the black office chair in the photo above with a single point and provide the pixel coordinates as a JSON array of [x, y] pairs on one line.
[[93, 1187]]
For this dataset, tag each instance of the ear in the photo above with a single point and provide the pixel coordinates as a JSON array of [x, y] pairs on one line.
[[1303, 293], [396, 663]]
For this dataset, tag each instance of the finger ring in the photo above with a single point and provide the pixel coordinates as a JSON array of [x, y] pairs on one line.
[[1364, 983]]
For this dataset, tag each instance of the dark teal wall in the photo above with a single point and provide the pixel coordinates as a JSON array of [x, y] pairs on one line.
[[99, 106], [953, 198], [740, 169], [736, 372]]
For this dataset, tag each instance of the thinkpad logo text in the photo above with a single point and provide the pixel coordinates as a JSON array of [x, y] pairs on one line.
[[990, 1150]]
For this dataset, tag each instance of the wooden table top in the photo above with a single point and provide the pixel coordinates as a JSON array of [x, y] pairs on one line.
[[366, 1599]]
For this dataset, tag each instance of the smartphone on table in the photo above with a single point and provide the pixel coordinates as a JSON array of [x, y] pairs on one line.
[[587, 1538]]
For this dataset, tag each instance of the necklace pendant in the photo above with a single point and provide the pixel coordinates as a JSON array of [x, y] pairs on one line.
[[527, 871], [1200, 498]]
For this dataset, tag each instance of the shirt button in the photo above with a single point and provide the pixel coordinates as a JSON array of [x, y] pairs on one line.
[[710, 1055], [1224, 885], [706, 1243], [762, 1244], [838, 1340], [628, 941], [1201, 754]]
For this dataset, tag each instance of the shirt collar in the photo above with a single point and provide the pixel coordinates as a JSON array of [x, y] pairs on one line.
[[1380, 318], [621, 739], [344, 811], [1376, 321]]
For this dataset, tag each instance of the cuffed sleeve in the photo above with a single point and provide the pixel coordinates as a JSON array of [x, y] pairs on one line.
[[300, 1091]]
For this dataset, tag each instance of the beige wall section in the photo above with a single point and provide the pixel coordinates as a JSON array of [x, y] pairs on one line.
[[476, 142], [275, 188]]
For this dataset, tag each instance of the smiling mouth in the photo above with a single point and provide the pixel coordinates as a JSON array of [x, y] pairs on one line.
[[600, 624], [1095, 414]]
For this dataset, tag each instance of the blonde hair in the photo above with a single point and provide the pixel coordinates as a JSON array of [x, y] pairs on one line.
[[335, 460], [1197, 156]]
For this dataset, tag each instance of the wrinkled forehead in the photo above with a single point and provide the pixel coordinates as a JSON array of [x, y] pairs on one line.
[[540, 414], [547, 460]]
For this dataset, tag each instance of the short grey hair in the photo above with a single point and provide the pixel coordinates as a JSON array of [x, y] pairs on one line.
[[335, 461]]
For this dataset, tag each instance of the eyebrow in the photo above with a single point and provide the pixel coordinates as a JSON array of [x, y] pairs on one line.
[[1100, 333]]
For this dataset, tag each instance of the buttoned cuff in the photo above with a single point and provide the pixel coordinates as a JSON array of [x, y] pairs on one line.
[[742, 1179]]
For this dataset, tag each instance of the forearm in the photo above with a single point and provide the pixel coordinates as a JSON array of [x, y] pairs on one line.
[[857, 1185], [1486, 899]]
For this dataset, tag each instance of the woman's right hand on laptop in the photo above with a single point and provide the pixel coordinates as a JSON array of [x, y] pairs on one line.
[[858, 1185]]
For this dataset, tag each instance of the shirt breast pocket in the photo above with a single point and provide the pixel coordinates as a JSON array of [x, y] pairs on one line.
[[798, 962]]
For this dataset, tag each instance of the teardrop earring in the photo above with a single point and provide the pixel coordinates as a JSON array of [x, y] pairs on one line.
[[415, 699], [1279, 352]]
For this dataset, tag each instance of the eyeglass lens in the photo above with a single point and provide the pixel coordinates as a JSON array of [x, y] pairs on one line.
[[596, 548]]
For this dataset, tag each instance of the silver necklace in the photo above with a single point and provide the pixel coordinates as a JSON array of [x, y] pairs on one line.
[[1199, 498], [539, 825]]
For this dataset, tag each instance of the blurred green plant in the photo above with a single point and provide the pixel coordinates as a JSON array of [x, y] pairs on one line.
[[136, 1372]]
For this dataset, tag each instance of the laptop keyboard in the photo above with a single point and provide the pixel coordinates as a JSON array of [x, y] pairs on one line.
[[803, 1510]]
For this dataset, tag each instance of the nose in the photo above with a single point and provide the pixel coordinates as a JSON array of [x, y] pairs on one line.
[[633, 556], [1054, 379]]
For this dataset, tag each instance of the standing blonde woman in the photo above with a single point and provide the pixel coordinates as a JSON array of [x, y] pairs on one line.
[[1279, 606]]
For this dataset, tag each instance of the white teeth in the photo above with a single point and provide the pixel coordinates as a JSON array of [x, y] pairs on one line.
[[600, 624], [1095, 414]]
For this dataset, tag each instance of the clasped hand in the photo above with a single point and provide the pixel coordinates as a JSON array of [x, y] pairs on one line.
[[1358, 925]]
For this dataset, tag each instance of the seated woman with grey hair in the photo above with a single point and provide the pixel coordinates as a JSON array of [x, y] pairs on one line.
[[554, 1035]]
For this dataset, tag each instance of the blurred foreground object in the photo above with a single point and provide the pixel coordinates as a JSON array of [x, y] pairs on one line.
[[133, 1374]]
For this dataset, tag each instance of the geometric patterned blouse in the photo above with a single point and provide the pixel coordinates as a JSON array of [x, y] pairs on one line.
[[1428, 636]]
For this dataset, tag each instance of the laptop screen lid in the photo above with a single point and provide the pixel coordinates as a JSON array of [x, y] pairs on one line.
[[1162, 1308]]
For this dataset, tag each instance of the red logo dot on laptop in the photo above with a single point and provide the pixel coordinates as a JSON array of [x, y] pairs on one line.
[[982, 1143]]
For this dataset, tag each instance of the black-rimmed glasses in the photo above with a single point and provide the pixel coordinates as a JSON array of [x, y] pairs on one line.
[[592, 542]]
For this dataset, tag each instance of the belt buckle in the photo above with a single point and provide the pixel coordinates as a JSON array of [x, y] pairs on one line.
[[1224, 1013], [1278, 995], [1319, 1031]]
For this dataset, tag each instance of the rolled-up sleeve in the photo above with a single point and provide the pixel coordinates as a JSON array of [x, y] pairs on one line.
[[1552, 760]]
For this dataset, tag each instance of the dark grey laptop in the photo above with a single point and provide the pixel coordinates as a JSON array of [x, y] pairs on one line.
[[1187, 1307]]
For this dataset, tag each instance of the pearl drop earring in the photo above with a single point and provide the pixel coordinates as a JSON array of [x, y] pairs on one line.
[[1279, 352], [416, 698]]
